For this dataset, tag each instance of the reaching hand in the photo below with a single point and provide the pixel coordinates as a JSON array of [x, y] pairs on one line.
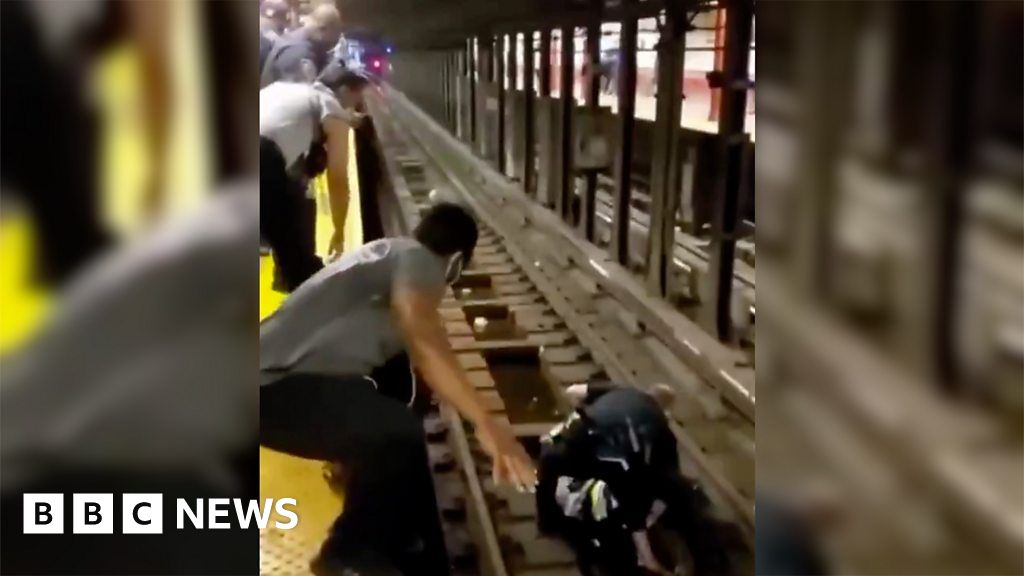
[[576, 394], [357, 119], [337, 244], [512, 464]]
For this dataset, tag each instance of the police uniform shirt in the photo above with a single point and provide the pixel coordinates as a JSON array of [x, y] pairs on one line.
[[291, 113], [338, 323], [295, 57], [605, 479]]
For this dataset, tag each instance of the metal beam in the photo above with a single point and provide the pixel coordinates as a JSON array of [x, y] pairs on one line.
[[563, 203], [588, 14], [665, 164], [950, 158], [499, 82], [485, 59], [460, 93], [734, 82], [529, 121], [619, 246], [511, 72], [446, 90], [592, 93], [545, 62], [472, 71]]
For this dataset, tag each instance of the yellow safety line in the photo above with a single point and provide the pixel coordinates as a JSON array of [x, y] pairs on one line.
[[283, 476]]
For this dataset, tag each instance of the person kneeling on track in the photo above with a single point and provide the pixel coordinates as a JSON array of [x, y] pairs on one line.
[[303, 131], [610, 486], [322, 395]]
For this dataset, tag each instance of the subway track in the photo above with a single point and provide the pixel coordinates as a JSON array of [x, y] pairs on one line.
[[527, 319]]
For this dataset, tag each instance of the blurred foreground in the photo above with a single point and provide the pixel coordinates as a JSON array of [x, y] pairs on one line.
[[890, 191], [128, 280]]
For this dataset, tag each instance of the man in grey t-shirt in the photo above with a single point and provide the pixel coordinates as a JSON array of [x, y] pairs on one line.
[[322, 395]]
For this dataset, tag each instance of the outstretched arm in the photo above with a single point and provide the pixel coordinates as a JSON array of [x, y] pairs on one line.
[[583, 393], [415, 313], [337, 130]]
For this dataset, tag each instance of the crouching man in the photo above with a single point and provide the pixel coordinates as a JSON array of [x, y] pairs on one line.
[[610, 486]]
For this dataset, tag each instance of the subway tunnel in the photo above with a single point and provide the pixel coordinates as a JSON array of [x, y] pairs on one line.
[[606, 149]]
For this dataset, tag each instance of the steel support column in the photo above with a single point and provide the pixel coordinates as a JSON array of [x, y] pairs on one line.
[[545, 63], [472, 72], [734, 83], [563, 203], [619, 246], [499, 82], [460, 93], [592, 92], [665, 164], [529, 121], [446, 90], [511, 71], [485, 60], [950, 159], [454, 79]]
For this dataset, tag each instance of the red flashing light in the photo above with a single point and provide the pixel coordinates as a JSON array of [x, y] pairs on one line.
[[376, 63]]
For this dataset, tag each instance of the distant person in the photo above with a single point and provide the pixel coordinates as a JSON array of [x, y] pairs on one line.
[[302, 54], [323, 397], [304, 130], [611, 487]]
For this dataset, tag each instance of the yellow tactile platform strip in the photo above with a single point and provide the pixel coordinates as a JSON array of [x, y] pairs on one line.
[[285, 552], [288, 552]]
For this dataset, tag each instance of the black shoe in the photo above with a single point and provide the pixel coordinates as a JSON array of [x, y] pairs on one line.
[[325, 565]]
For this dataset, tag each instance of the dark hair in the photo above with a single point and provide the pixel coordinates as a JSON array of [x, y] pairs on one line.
[[336, 76], [446, 229]]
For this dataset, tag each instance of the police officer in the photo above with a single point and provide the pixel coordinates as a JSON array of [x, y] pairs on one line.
[[304, 130], [609, 476], [323, 397], [301, 55], [273, 18]]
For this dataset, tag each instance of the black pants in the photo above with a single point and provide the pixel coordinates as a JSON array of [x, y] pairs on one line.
[[287, 219], [610, 550], [50, 137], [390, 505]]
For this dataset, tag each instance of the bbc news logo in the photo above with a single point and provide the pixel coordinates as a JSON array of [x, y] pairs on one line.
[[144, 513]]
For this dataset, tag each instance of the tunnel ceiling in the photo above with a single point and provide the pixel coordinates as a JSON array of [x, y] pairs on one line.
[[436, 23]]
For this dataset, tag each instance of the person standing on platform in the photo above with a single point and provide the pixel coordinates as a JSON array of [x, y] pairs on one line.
[[322, 397], [611, 487], [304, 130], [273, 18], [301, 55]]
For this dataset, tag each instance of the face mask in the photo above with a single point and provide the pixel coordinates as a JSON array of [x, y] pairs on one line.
[[453, 271]]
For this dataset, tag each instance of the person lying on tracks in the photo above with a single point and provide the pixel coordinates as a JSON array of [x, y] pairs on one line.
[[304, 130], [322, 397], [609, 482]]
